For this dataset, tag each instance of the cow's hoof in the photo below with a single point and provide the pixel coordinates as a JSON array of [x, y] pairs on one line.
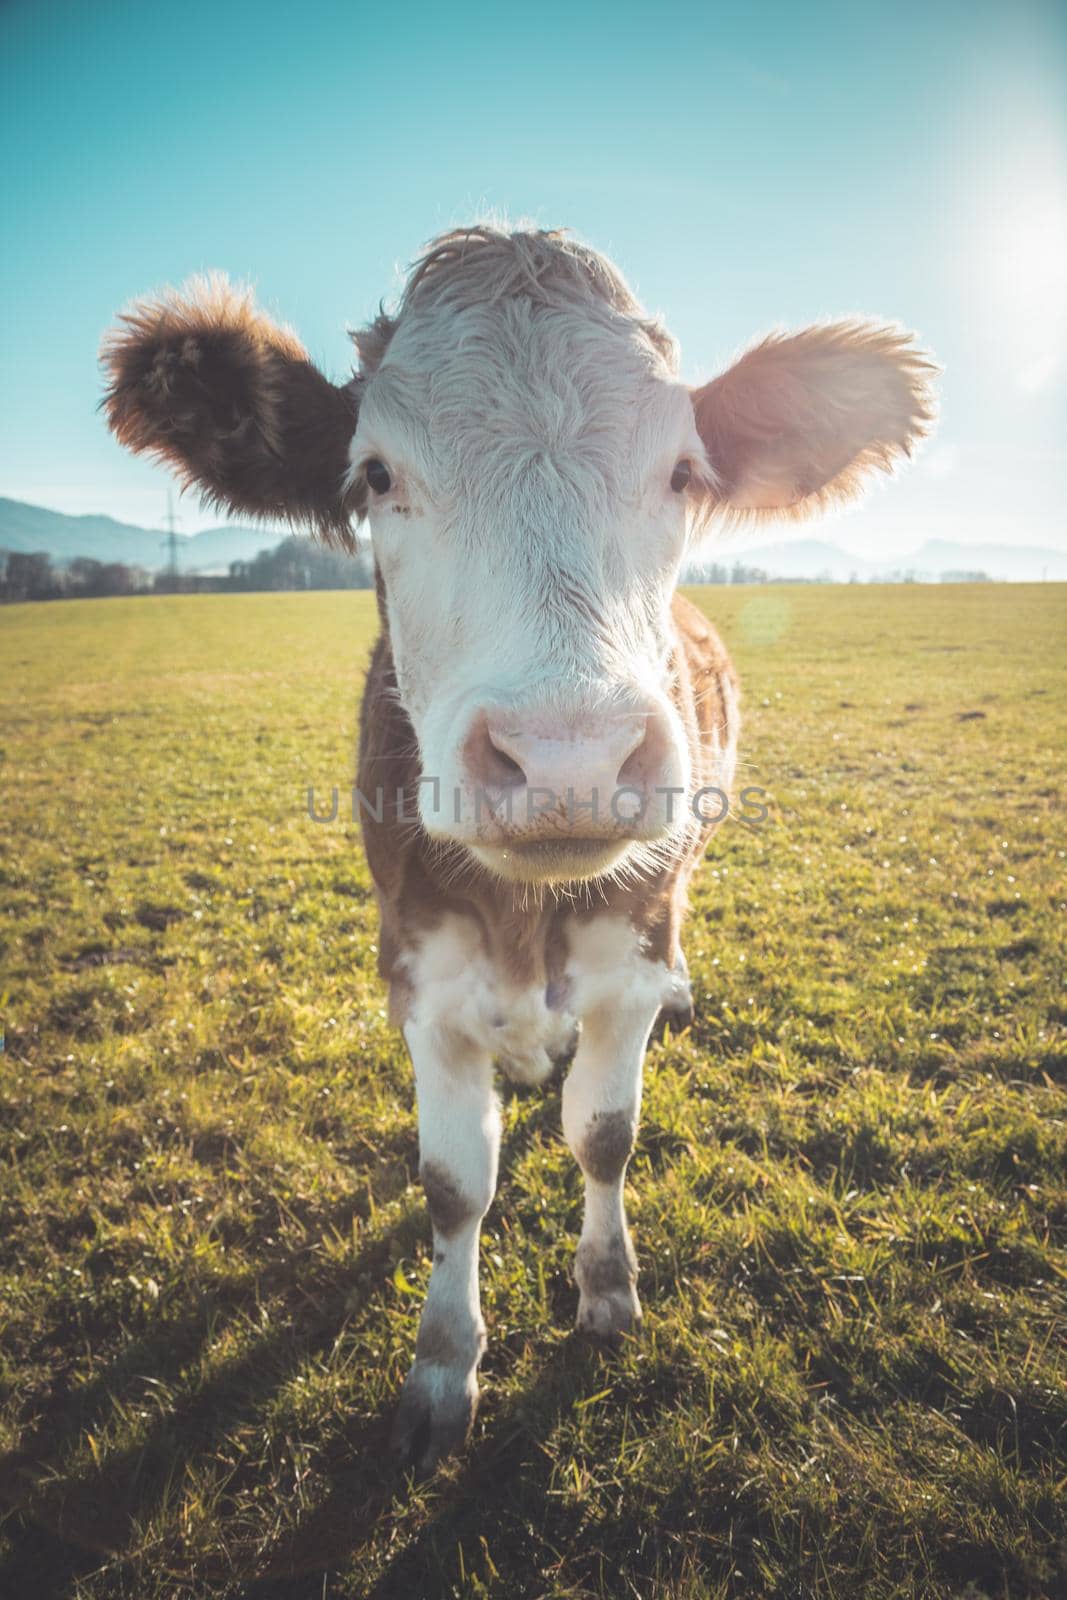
[[610, 1316], [606, 1274], [435, 1414]]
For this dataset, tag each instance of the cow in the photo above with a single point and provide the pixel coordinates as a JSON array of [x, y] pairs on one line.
[[548, 727]]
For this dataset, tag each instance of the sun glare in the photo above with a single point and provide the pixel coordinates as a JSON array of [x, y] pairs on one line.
[[1028, 261]]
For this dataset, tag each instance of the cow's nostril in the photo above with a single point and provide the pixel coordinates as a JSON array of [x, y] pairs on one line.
[[645, 760], [506, 770], [489, 764]]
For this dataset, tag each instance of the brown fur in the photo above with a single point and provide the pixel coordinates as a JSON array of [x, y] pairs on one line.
[[606, 1271], [448, 1208], [419, 880], [606, 1147], [205, 382]]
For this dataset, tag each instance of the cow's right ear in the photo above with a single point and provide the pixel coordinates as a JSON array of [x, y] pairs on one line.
[[802, 420], [201, 379]]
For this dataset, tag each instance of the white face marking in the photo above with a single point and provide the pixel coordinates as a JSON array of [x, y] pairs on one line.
[[530, 541]]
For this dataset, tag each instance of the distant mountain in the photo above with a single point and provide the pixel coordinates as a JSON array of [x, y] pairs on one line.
[[1018, 563], [28, 528], [817, 558], [800, 558]]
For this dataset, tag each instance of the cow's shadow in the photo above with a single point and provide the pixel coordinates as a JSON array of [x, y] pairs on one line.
[[507, 1465], [61, 1526], [104, 1515]]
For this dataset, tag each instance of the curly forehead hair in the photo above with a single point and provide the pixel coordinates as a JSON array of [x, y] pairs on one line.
[[484, 264]]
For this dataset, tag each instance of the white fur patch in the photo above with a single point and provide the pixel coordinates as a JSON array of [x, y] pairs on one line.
[[460, 997], [458, 992], [609, 968]]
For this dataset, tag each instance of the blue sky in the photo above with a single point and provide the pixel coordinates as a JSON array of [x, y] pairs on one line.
[[747, 166]]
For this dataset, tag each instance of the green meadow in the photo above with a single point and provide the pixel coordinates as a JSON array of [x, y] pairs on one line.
[[847, 1199]]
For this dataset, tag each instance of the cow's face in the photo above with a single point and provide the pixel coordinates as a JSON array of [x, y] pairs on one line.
[[528, 473], [530, 468]]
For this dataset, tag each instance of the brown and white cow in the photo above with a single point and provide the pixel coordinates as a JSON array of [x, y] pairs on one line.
[[543, 710]]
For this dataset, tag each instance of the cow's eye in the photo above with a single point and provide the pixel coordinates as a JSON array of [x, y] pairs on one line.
[[680, 476], [377, 476]]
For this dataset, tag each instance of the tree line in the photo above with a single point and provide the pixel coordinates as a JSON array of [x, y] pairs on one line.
[[296, 563]]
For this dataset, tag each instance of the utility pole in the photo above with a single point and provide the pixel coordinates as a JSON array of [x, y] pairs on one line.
[[170, 543]]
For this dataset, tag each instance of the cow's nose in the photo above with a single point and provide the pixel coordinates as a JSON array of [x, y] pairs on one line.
[[585, 775]]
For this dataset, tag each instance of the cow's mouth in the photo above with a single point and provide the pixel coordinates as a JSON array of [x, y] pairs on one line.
[[562, 860]]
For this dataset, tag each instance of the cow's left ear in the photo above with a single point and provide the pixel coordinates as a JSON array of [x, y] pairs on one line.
[[201, 379], [800, 421]]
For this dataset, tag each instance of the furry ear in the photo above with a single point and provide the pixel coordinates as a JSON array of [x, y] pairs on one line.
[[204, 381], [800, 421]]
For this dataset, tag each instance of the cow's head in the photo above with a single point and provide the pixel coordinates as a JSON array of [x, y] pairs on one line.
[[532, 472]]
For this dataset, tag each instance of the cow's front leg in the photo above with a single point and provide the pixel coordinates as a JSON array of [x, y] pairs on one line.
[[459, 1140], [601, 1102]]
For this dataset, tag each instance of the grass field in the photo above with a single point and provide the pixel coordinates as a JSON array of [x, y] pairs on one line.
[[848, 1196]]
